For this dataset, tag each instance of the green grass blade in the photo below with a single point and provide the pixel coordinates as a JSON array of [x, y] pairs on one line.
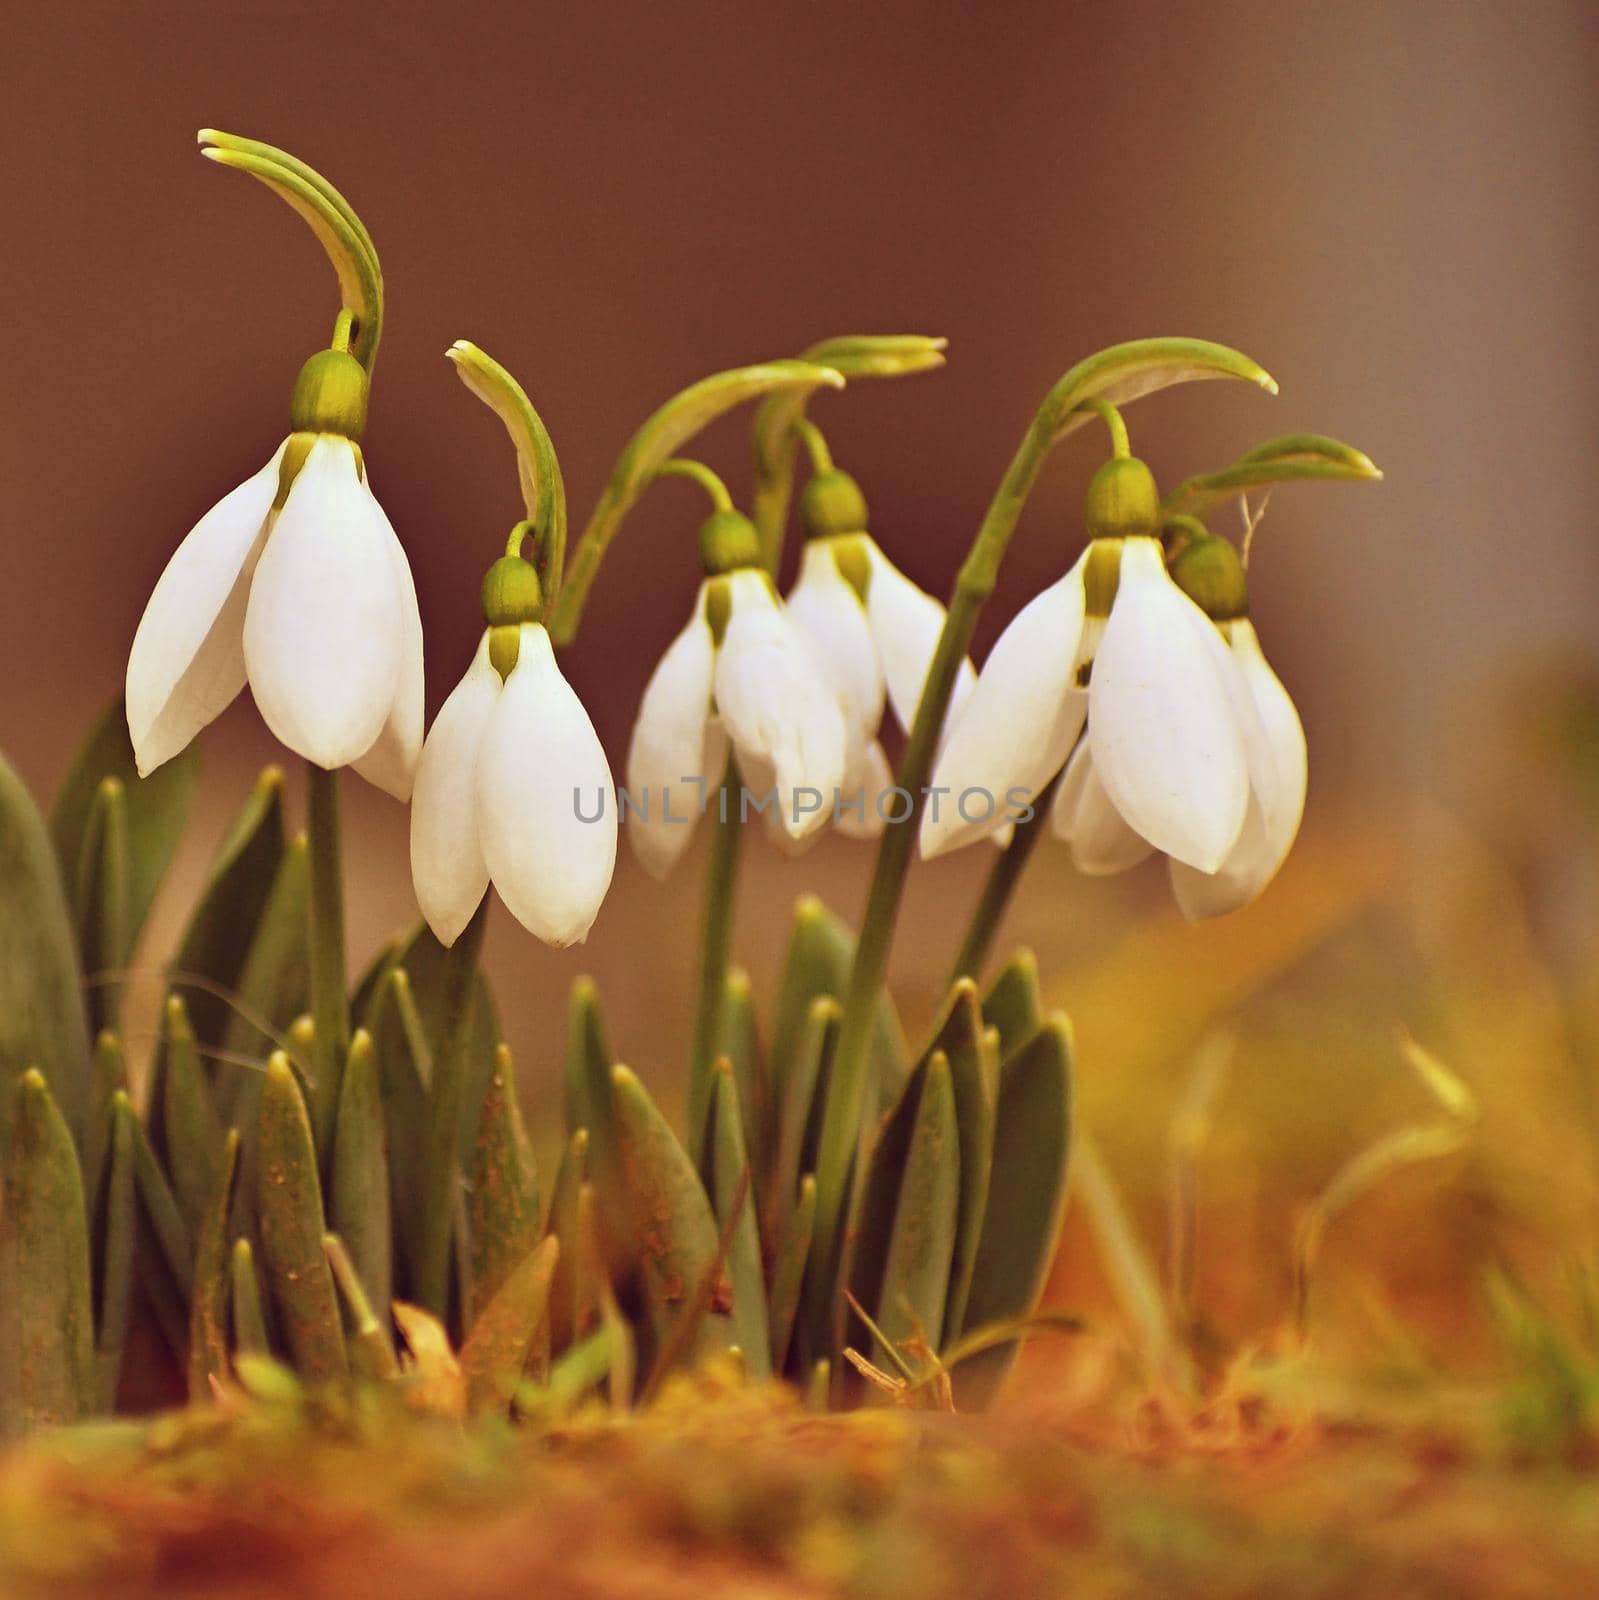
[[115, 1224], [502, 1191], [788, 1275], [360, 1186], [191, 1135], [731, 1183], [249, 1322], [100, 891], [208, 1311]]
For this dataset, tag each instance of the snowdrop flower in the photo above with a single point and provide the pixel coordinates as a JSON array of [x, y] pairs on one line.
[[513, 787], [877, 631], [742, 674], [1180, 739], [294, 583]]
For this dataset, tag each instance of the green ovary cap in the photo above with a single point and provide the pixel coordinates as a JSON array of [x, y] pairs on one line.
[[1208, 571], [832, 504], [512, 593], [728, 540], [1122, 500], [330, 395]]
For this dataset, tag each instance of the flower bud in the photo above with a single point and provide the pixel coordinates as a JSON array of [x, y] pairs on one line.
[[1122, 500], [1208, 571], [728, 540], [330, 395], [832, 503], [512, 593]]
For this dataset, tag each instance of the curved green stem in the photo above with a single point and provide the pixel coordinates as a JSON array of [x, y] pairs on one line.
[[1120, 445], [815, 444], [697, 472], [537, 467], [329, 216], [716, 938], [430, 1285], [1003, 877], [330, 1013], [660, 437], [1121, 373], [890, 355]]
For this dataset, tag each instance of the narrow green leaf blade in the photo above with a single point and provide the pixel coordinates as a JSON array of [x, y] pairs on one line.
[[1297, 458], [208, 1311], [42, 1020], [738, 1038], [100, 904], [114, 1232], [1026, 1198], [673, 1232], [156, 812], [497, 1349], [726, 1164], [569, 1314], [788, 1275], [502, 1189], [289, 1204], [49, 1230], [191, 1135], [590, 1102], [360, 1185], [1013, 1004], [249, 1322]]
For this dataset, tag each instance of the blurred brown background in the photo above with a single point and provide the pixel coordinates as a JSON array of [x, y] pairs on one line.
[[1390, 205]]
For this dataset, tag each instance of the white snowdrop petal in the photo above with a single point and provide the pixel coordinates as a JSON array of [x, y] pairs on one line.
[[1162, 721], [906, 623], [447, 866], [187, 660], [1019, 721], [676, 752], [825, 605], [1285, 739], [391, 763], [778, 704], [862, 806], [1101, 842], [546, 804], [323, 630]]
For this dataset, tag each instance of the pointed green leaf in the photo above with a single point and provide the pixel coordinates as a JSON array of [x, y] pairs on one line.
[[406, 1017], [922, 1246], [1300, 457], [589, 1101], [360, 1198], [801, 1123], [1013, 1004], [726, 1165], [821, 952], [156, 810], [569, 1311], [114, 1233], [41, 1002], [788, 1275], [108, 1075], [738, 1038], [673, 1232], [497, 1349], [100, 889], [170, 1233], [208, 1311], [191, 1134], [289, 1205], [502, 1190], [973, 1054], [224, 921], [1026, 1197], [249, 1324], [371, 1349], [49, 1232]]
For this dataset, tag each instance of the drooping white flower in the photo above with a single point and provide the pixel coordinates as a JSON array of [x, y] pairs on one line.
[[513, 789], [294, 583], [877, 631], [742, 674], [1180, 737]]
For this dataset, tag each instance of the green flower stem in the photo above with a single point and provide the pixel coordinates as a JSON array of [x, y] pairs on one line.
[[815, 444], [891, 355], [660, 437], [329, 1004], [698, 472], [1003, 876], [716, 937], [430, 1286], [1122, 372]]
